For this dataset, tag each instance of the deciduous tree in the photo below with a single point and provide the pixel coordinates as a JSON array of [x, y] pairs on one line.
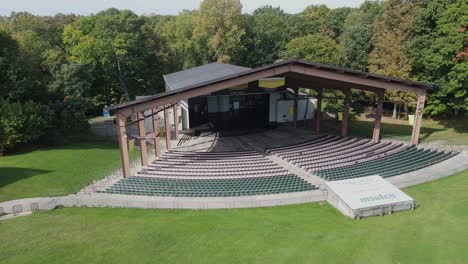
[[219, 30]]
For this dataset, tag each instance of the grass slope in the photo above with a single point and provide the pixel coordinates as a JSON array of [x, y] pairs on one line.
[[312, 233], [55, 171]]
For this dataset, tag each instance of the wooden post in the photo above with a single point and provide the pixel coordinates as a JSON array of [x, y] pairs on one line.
[[157, 144], [167, 127], [344, 123], [176, 121], [318, 111], [296, 99], [418, 118], [378, 115], [142, 138], [122, 138]]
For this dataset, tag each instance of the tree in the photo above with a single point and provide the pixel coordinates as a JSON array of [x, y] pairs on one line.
[[391, 31], [72, 80], [32, 76], [178, 45], [219, 30], [267, 32], [388, 56], [438, 50], [315, 48], [314, 20], [114, 44], [355, 40], [22, 122], [8, 64], [336, 20]]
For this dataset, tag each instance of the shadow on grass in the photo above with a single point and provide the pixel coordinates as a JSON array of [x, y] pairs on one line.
[[458, 124], [10, 175]]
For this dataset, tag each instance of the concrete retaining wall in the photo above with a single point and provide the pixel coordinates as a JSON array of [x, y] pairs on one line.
[[155, 202], [431, 173]]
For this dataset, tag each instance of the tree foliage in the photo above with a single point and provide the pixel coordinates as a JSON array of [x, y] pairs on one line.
[[268, 30], [438, 49], [176, 34], [218, 30], [316, 47], [357, 32], [388, 56], [8, 64], [114, 44], [22, 122], [71, 66]]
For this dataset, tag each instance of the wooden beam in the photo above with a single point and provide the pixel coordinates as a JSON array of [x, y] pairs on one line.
[[167, 128], [418, 119], [318, 110], [378, 116], [142, 138], [122, 138], [176, 121], [146, 116], [296, 99], [345, 117], [353, 79], [157, 144], [312, 82]]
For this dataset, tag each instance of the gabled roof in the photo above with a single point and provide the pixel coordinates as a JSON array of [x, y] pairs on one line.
[[201, 74], [194, 83]]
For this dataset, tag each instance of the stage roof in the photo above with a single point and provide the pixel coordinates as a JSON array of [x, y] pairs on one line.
[[201, 80], [201, 74]]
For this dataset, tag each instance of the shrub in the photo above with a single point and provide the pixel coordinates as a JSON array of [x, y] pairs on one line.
[[22, 122], [73, 115]]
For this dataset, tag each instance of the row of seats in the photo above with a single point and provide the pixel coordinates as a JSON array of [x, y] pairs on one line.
[[211, 174], [408, 160], [152, 186], [239, 164], [328, 152]]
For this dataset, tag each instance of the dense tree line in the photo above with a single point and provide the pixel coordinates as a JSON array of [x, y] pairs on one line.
[[70, 66]]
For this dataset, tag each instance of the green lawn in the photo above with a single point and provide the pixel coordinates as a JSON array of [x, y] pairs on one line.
[[436, 232], [55, 171], [452, 131]]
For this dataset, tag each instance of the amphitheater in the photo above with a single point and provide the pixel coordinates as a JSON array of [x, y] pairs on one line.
[[228, 167], [266, 168]]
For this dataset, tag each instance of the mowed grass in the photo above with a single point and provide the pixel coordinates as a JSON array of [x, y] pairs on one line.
[[436, 232], [452, 131], [56, 171]]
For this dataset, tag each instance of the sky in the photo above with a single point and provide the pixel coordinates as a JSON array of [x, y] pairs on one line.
[[162, 7]]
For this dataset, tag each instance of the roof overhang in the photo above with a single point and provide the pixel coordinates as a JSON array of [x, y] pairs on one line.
[[297, 72]]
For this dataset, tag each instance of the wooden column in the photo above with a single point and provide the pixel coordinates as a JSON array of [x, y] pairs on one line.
[[318, 111], [418, 118], [167, 127], [122, 138], [176, 121], [142, 138], [157, 144], [344, 123], [378, 115], [296, 99]]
